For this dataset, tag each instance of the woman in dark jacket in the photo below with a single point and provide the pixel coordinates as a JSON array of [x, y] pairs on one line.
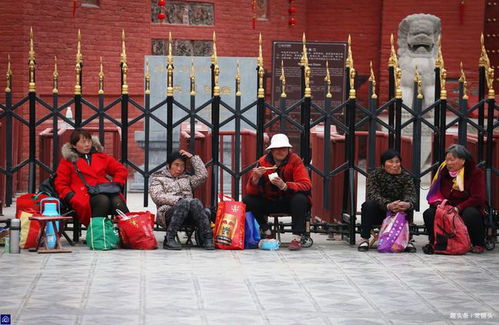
[[463, 185], [389, 188], [85, 154]]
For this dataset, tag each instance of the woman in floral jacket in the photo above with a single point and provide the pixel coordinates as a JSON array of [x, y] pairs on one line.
[[171, 190], [389, 188]]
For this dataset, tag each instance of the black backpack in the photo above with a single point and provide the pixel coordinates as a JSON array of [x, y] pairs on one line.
[[47, 187]]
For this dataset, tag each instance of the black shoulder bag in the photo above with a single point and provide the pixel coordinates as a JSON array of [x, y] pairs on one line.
[[104, 188]]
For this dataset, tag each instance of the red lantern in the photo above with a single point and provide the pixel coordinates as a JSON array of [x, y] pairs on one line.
[[292, 11], [161, 3], [161, 16]]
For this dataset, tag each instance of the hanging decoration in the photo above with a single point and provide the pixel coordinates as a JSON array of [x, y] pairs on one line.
[[292, 12], [161, 5], [461, 11], [253, 9], [74, 7]]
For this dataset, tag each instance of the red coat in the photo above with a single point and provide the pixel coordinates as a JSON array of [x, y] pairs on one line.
[[67, 180], [474, 189], [292, 171]]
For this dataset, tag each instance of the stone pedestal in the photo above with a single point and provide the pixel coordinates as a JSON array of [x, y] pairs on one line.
[[157, 154]]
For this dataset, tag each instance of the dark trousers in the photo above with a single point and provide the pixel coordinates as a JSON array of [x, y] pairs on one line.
[[104, 205], [372, 214], [297, 205], [472, 218], [190, 211]]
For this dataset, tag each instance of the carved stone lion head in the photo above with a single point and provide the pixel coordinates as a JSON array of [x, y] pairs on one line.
[[418, 35]]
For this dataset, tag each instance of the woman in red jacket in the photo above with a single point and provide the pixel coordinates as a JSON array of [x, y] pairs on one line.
[[280, 183], [85, 155], [463, 185]]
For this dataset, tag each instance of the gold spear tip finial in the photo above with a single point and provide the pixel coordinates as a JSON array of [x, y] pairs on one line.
[[260, 44], [349, 60], [282, 77], [371, 76], [393, 60], [31, 38], [214, 54], [439, 61], [462, 77], [31, 45], [416, 74], [260, 51], [484, 58], [304, 55]]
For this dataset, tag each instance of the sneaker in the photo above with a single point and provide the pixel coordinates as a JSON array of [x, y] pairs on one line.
[[363, 246], [477, 249], [294, 245], [428, 249], [410, 247]]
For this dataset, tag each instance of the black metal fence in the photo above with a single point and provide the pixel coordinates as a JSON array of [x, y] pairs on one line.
[[354, 117]]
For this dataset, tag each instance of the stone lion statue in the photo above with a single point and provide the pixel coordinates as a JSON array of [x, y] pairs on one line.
[[418, 46]]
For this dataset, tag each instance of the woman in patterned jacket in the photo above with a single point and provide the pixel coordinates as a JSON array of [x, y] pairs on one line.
[[389, 188], [171, 190]]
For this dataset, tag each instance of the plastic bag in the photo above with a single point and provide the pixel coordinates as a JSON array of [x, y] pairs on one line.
[[229, 225], [394, 233], [251, 231], [269, 244], [136, 230]]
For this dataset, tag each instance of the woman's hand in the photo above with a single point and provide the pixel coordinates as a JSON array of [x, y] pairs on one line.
[[257, 173], [186, 154], [398, 206], [277, 181]]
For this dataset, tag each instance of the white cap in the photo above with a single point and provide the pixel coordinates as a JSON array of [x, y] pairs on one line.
[[279, 141]]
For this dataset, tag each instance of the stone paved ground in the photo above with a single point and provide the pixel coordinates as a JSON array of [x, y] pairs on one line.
[[329, 283]]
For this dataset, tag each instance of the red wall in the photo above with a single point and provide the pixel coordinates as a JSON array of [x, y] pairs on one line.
[[370, 23]]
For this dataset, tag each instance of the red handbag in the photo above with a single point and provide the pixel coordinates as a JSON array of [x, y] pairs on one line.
[[451, 234], [137, 230], [229, 225], [29, 201]]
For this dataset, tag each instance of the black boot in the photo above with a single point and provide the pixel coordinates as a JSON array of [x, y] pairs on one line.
[[170, 242], [208, 242]]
